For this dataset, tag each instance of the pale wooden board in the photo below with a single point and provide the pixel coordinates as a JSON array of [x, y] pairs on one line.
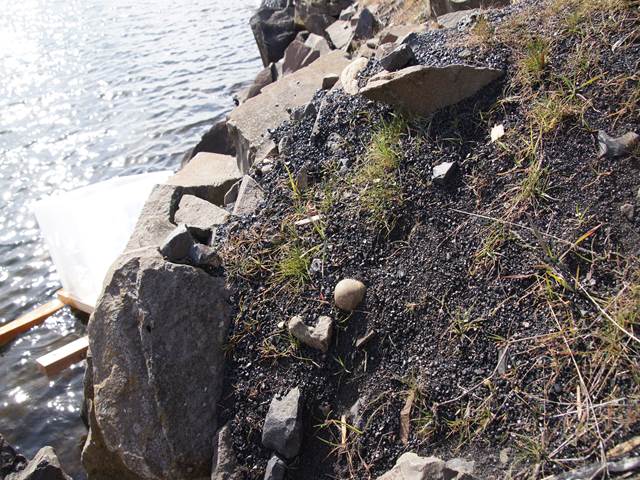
[[63, 357], [35, 317], [68, 299]]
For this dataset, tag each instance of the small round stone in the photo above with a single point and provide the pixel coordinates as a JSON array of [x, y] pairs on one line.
[[349, 293]]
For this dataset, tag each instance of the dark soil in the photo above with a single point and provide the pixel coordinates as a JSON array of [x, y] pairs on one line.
[[441, 311]]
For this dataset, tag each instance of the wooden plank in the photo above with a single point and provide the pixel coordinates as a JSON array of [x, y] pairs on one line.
[[35, 317], [63, 357], [68, 299]]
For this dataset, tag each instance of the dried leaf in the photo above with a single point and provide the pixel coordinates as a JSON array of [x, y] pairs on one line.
[[624, 447], [405, 417]]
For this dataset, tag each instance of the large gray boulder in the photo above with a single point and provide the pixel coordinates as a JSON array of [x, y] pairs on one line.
[[156, 340], [423, 89], [44, 466], [274, 28], [413, 467], [317, 15], [250, 122]]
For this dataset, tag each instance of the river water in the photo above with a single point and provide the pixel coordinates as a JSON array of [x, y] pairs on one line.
[[90, 90]]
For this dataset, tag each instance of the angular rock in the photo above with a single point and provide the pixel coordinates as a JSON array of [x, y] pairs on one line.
[[318, 337], [396, 33], [276, 469], [249, 197], [398, 58], [365, 24], [208, 176], [296, 56], [445, 173], [458, 5], [232, 194], [348, 13], [349, 293], [423, 90], [225, 462], [177, 245], [273, 28], [44, 466], [250, 122], [613, 147], [199, 213], [265, 77], [204, 256], [341, 34], [453, 19], [628, 211], [10, 460], [317, 15], [318, 43], [282, 430], [328, 81], [156, 219], [157, 344], [349, 76], [412, 467], [216, 140]]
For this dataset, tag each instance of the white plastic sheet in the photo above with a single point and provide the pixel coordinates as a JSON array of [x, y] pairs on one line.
[[88, 228]]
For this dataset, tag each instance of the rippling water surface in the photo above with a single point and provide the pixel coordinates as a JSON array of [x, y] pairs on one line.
[[90, 90]]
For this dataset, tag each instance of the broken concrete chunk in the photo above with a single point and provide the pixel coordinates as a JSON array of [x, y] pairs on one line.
[[249, 197], [423, 90], [446, 173], [349, 293], [276, 469], [398, 58], [612, 147], [349, 76], [318, 337], [282, 430], [208, 176], [199, 213]]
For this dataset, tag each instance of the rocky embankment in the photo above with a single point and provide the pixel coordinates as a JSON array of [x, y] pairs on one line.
[[410, 252]]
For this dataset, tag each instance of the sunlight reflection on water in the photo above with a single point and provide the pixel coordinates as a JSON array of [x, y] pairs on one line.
[[91, 90]]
